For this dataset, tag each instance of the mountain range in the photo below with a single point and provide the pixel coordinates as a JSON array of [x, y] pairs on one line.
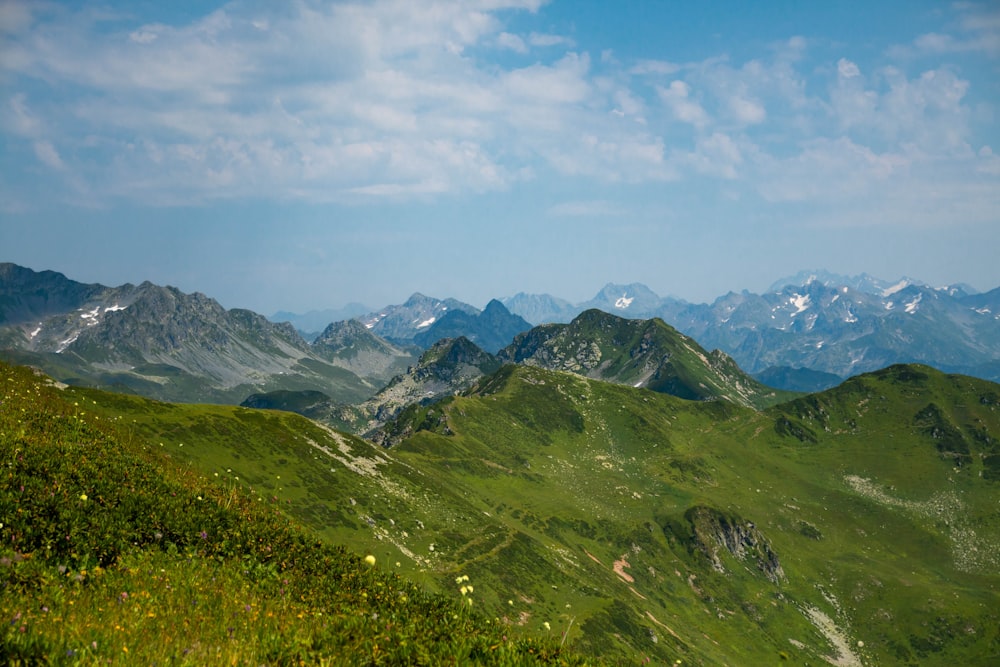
[[166, 344], [607, 481], [808, 332], [834, 325]]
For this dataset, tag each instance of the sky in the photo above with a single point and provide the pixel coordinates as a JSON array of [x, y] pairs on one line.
[[304, 155]]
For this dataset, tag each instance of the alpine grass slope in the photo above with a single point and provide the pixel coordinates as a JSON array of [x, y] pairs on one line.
[[115, 551], [856, 526]]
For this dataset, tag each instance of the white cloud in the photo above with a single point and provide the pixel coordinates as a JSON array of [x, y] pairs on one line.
[[976, 29], [656, 67], [508, 41], [14, 16], [564, 82], [598, 208], [846, 69], [892, 109], [747, 111], [828, 171], [544, 40], [716, 155], [143, 36], [395, 98], [677, 97], [19, 117], [47, 153]]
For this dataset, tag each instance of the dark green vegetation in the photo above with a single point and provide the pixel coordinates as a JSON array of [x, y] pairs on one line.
[[115, 550], [855, 526]]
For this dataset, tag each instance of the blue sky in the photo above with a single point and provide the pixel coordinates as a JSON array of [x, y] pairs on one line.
[[303, 155]]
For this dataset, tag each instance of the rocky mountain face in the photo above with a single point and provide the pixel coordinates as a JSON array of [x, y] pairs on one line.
[[639, 353], [490, 330], [349, 344], [634, 301], [28, 297], [158, 341], [860, 283]]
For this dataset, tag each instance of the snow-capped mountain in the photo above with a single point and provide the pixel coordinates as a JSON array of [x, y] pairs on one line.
[[845, 331], [837, 325], [861, 283]]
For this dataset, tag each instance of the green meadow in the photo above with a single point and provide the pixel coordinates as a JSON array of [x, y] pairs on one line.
[[115, 551], [540, 516]]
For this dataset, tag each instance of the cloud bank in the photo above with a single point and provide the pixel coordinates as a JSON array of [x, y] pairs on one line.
[[351, 102]]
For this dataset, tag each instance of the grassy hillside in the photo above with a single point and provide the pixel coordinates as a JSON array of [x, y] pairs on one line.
[[857, 526], [113, 551]]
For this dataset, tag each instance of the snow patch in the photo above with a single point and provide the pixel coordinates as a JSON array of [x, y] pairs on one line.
[[851, 317], [889, 305], [800, 302], [981, 311], [912, 306], [39, 330], [889, 291], [92, 317], [624, 301], [426, 323], [66, 343], [834, 299]]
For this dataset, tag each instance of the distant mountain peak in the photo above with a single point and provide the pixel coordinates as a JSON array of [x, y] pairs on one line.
[[491, 329]]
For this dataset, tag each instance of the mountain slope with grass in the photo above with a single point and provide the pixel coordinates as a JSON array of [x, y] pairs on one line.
[[117, 551], [856, 526], [639, 353]]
